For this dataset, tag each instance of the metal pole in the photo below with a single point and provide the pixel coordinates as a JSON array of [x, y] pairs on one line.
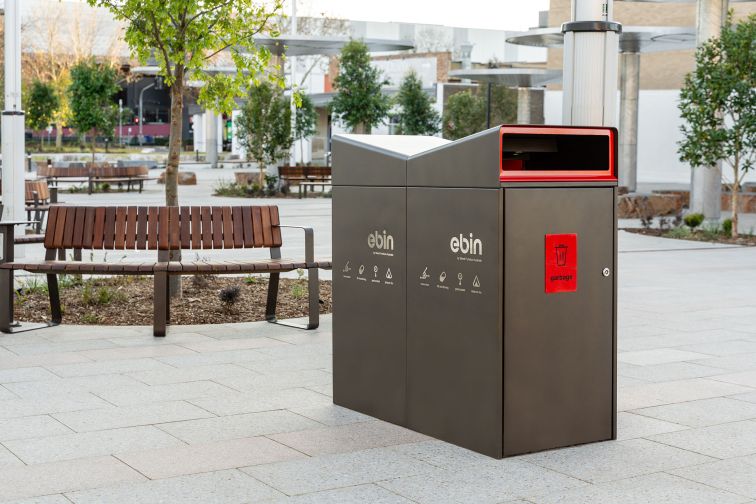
[[488, 106], [13, 119], [292, 102], [706, 182], [141, 119], [120, 121], [628, 130], [591, 45]]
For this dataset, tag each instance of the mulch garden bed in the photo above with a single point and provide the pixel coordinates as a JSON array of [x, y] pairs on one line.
[[127, 300], [696, 235]]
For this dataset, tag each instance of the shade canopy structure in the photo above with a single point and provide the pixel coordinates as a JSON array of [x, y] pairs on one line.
[[307, 45], [526, 80], [633, 41], [636, 39], [511, 77]]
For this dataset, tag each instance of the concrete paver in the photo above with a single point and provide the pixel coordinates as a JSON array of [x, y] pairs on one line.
[[243, 413]]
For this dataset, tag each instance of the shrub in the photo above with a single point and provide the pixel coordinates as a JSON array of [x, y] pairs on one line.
[[727, 227], [229, 296], [694, 220]]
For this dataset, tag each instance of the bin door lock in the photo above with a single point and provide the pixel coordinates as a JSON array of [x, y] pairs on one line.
[[606, 272]]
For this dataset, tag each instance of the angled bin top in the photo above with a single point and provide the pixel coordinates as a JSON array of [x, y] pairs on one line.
[[377, 160]]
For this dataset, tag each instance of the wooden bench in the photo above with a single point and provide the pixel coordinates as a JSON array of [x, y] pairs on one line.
[[132, 176], [305, 176], [38, 197], [162, 229]]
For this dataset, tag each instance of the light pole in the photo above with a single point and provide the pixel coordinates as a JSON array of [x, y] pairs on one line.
[[13, 120], [141, 103], [120, 121]]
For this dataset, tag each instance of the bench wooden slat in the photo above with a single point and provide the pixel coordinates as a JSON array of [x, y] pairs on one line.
[[228, 228], [196, 227], [257, 225], [78, 232], [68, 227], [185, 217], [207, 228], [274, 221], [163, 238], [217, 213], [141, 239], [52, 219], [236, 213], [98, 238], [249, 235], [267, 232], [131, 227], [174, 227], [109, 229], [152, 228], [89, 222], [120, 228]]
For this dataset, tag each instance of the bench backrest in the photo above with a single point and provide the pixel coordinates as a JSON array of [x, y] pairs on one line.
[[162, 228], [36, 186], [304, 171]]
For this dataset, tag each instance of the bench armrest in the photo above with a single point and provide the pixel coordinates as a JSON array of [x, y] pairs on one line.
[[6, 231], [309, 242]]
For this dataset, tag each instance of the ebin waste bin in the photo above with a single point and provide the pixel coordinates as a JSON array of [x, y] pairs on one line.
[[474, 286]]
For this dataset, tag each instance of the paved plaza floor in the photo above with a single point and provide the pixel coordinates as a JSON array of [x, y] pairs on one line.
[[243, 413]]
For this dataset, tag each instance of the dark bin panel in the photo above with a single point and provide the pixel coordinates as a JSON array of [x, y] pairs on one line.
[[472, 162], [454, 338], [558, 348], [369, 308]]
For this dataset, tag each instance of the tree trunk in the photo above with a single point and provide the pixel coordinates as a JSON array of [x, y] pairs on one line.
[[58, 135], [368, 129], [94, 145], [734, 188], [172, 166], [358, 129]]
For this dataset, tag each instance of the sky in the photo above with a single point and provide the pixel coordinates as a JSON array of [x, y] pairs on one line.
[[491, 14]]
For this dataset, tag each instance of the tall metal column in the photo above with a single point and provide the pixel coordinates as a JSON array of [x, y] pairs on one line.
[[628, 129], [591, 45], [706, 182], [13, 119]]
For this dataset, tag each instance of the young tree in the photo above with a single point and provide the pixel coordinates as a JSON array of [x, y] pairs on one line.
[[186, 35], [359, 102], [718, 104], [91, 97], [418, 116], [304, 123], [264, 126], [464, 114], [41, 104]]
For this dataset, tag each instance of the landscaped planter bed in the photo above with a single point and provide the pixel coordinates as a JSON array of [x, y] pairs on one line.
[[128, 300]]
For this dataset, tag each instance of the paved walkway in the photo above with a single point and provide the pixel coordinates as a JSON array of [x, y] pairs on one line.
[[243, 413]]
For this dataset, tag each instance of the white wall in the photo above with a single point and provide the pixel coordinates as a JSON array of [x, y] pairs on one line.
[[658, 133]]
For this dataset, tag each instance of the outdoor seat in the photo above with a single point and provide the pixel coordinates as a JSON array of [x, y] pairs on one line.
[[164, 230]]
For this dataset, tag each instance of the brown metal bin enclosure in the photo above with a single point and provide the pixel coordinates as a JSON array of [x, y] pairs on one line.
[[369, 278], [510, 291]]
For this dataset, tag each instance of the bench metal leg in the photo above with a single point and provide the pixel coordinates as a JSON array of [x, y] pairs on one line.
[[52, 289], [7, 294], [6, 300], [160, 300], [313, 295]]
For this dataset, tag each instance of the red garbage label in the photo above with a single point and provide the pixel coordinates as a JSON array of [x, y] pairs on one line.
[[561, 263]]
